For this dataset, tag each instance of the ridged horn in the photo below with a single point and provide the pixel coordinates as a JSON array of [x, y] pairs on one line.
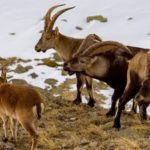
[[48, 15], [89, 40], [54, 18], [103, 47]]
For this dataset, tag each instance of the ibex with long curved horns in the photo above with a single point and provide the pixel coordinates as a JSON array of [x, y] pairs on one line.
[[66, 47], [105, 61]]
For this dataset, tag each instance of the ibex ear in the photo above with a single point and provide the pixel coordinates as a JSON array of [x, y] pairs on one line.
[[56, 31]]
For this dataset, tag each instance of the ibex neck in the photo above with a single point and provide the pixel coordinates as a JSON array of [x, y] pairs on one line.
[[66, 46]]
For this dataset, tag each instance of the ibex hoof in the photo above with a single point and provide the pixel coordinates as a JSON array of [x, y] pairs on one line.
[[117, 126], [77, 101], [91, 103], [110, 113], [4, 139]]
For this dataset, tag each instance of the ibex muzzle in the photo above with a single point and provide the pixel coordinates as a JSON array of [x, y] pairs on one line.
[[50, 36]]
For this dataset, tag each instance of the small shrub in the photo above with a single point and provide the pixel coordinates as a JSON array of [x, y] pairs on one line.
[[48, 62], [33, 75], [79, 28], [99, 18], [12, 33]]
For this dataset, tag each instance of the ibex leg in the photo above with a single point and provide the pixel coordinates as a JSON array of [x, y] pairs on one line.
[[116, 95], [80, 82], [89, 90]]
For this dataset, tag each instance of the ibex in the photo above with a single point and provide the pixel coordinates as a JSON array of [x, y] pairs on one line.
[[105, 61], [138, 82], [20, 104], [66, 48]]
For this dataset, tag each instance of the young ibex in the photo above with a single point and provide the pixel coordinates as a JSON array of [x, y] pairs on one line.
[[20, 104], [138, 76], [66, 48]]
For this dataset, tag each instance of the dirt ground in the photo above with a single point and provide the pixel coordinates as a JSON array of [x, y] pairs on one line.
[[65, 126]]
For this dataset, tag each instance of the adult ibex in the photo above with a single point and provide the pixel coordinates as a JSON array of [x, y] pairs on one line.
[[20, 104], [66, 47], [138, 79], [105, 61]]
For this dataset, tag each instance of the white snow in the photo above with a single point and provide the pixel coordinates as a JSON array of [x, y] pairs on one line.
[[23, 17], [43, 72], [108, 93]]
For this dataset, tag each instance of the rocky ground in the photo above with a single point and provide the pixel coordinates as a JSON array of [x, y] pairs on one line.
[[65, 126]]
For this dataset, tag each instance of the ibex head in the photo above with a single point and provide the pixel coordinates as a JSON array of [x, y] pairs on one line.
[[50, 36], [79, 64], [89, 58]]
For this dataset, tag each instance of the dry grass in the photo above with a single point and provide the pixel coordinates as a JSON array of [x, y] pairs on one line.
[[73, 127], [65, 126]]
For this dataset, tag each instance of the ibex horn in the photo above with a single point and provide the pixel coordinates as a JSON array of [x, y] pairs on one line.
[[48, 15], [51, 24], [103, 47]]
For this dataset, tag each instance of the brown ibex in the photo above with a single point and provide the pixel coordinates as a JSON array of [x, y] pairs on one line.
[[138, 76], [20, 104], [105, 61], [89, 63], [65, 47]]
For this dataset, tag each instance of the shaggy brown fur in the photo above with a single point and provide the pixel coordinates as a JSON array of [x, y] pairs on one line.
[[137, 76], [105, 61]]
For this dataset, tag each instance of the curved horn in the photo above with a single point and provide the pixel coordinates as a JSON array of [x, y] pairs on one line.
[[48, 15], [51, 24], [103, 47], [87, 42]]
